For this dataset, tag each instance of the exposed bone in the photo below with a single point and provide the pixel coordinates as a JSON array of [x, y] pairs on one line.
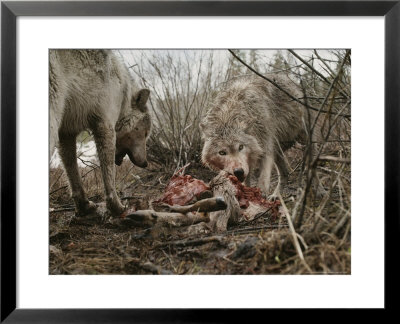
[[253, 210], [204, 206], [232, 202], [243, 203], [223, 187]]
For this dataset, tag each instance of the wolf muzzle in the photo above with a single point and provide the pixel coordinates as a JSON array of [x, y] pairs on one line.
[[142, 164], [239, 173]]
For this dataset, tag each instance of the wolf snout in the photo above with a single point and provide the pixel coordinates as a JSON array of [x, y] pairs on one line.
[[239, 173], [140, 164], [137, 160]]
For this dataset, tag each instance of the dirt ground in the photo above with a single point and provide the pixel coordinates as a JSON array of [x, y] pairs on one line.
[[103, 245]]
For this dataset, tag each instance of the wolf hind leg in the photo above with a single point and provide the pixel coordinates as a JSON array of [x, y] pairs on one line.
[[104, 137], [67, 150]]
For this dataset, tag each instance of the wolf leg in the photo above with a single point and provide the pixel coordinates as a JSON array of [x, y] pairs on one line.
[[68, 155], [265, 173], [104, 136], [283, 170], [283, 173]]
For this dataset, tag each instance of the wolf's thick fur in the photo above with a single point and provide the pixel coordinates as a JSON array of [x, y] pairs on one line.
[[92, 90], [249, 125]]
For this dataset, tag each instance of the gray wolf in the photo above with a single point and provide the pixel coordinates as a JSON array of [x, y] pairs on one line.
[[248, 126], [92, 90]]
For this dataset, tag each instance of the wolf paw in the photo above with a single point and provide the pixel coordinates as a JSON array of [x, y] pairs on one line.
[[115, 207], [86, 208]]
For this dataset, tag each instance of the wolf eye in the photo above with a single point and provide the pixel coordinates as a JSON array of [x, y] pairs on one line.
[[222, 153], [240, 147]]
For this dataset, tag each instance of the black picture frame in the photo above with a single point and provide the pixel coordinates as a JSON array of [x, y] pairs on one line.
[[11, 10]]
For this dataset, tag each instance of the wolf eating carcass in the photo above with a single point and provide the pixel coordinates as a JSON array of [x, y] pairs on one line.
[[249, 124], [92, 90]]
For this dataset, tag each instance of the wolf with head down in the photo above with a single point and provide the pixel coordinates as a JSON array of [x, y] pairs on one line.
[[249, 125], [92, 90]]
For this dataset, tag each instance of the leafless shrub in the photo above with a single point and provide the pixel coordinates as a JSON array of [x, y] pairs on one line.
[[181, 83]]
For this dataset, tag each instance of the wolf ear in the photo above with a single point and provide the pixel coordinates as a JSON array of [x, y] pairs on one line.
[[141, 99]]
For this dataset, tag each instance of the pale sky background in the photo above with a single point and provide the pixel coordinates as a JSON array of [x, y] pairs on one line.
[[222, 56]]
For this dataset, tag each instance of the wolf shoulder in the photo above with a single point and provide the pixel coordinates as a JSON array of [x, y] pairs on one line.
[[256, 92], [86, 86], [83, 65]]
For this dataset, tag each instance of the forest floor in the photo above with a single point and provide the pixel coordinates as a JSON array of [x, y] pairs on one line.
[[95, 245]]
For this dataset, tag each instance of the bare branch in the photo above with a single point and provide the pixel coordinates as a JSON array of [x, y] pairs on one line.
[[280, 88]]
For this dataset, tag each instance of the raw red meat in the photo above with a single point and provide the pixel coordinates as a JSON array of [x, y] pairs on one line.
[[182, 189], [245, 195]]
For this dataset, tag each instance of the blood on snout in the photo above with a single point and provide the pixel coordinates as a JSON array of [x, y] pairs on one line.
[[230, 163]]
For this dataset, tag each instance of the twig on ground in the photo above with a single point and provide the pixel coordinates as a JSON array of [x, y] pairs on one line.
[[333, 159], [58, 189], [184, 243], [248, 230], [294, 234], [151, 267], [61, 209]]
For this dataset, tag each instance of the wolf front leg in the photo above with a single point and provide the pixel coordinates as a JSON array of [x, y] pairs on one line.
[[282, 168], [283, 174], [266, 165], [67, 150], [104, 136], [265, 173]]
